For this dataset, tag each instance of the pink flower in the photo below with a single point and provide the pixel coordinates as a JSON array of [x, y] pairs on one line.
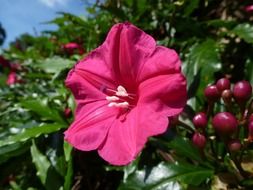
[[125, 91], [71, 45], [248, 8], [12, 78], [72, 48]]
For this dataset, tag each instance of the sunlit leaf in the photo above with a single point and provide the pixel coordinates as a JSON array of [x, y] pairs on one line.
[[184, 147], [201, 62], [68, 180], [166, 176], [49, 178], [30, 133], [41, 108], [55, 64], [244, 31]]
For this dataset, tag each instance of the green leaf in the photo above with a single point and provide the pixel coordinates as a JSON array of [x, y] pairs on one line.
[[191, 6], [55, 64], [244, 31], [42, 108], [9, 151], [218, 23], [184, 147], [41, 163], [249, 69], [30, 133], [166, 176], [67, 150], [69, 176], [202, 61], [49, 177]]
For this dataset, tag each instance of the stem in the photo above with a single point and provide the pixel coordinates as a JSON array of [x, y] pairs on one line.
[[210, 109], [239, 167], [237, 164], [214, 152]]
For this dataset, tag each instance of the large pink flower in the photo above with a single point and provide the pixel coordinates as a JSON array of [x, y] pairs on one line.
[[125, 91]]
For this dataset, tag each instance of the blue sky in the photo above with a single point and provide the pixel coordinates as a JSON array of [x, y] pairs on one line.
[[27, 16]]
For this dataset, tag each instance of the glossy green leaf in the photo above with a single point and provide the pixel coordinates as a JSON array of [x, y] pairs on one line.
[[165, 176], [30, 133], [202, 61], [244, 31], [48, 176], [9, 151], [41, 162], [184, 147], [41, 108]]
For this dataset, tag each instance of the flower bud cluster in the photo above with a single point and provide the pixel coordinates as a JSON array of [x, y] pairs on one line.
[[226, 126]]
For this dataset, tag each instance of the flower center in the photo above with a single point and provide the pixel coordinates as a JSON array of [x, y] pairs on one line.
[[120, 98]]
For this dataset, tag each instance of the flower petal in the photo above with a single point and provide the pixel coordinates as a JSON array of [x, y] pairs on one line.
[[91, 125], [83, 91], [126, 138], [162, 61], [165, 93], [134, 46], [119, 58]]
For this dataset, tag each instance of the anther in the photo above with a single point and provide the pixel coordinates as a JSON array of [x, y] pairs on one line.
[[119, 105], [112, 98], [121, 91]]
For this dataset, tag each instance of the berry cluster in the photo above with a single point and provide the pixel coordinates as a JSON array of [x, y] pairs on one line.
[[234, 126]]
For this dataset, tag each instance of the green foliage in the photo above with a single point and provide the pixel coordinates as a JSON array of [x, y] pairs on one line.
[[213, 38], [244, 31], [166, 176]]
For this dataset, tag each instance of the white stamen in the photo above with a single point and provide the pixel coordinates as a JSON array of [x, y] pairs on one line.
[[119, 105], [123, 105], [112, 98], [121, 91], [112, 104]]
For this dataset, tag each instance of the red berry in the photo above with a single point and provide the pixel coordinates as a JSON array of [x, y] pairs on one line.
[[212, 94], [223, 84], [242, 91], [234, 145], [200, 120], [199, 140], [224, 123]]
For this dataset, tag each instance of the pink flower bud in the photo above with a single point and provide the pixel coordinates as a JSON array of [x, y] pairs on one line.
[[242, 91], [234, 145], [212, 94], [224, 123], [200, 120], [250, 131], [67, 112], [199, 140], [248, 8], [227, 95], [223, 84]]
